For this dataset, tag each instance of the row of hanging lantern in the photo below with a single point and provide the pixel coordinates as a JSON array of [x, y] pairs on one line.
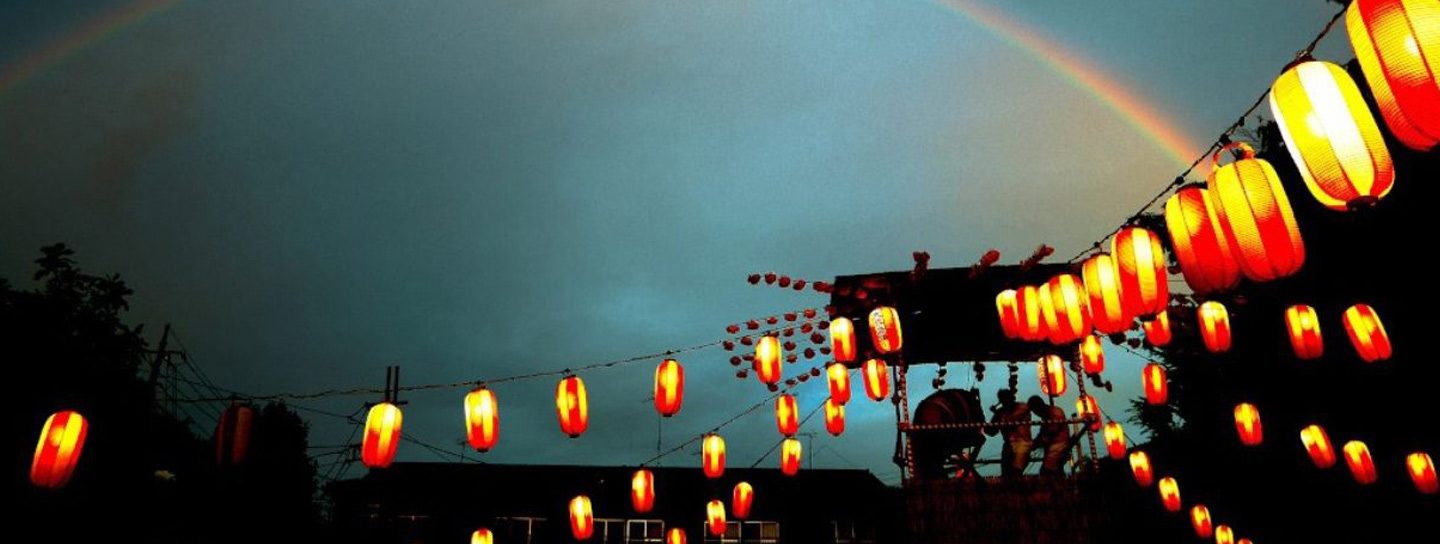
[[642, 498], [1169, 490]]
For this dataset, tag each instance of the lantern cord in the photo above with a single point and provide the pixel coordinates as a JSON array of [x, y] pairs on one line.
[[1218, 145], [716, 429], [777, 444]]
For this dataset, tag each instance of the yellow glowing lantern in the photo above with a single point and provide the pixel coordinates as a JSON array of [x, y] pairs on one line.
[[1367, 333], [787, 418], [1140, 266], [712, 452], [1331, 136], [1005, 306], [842, 339], [382, 435], [1247, 424], [58, 450], [1304, 329], [1052, 375], [1255, 216], [482, 536], [1206, 260], [834, 417], [1157, 389], [885, 329], [790, 457], [1422, 472], [1141, 469], [1062, 304], [669, 387], [715, 517], [1092, 355], [1397, 47], [877, 379], [839, 378], [1318, 446], [768, 355], [741, 499], [1115, 440], [1170, 494], [1200, 520], [1157, 331], [642, 491], [1362, 466], [1214, 326], [1102, 288], [482, 419], [1224, 535], [675, 535], [1029, 317], [572, 407], [1087, 408], [582, 520]]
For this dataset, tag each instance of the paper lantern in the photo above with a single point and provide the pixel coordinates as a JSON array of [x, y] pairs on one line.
[[1397, 47], [834, 417], [787, 418], [1331, 135], [1214, 322], [1087, 408], [669, 387], [482, 536], [1115, 440], [1362, 467], [740, 500], [675, 535], [1092, 355], [1244, 541], [1255, 216], [1422, 472], [582, 520], [1247, 424], [1304, 329], [839, 378], [1318, 446], [61, 441], [1005, 307], [482, 419], [877, 379], [1028, 315], [715, 517], [232, 435], [382, 435], [1206, 260], [712, 452], [1157, 390], [1170, 494], [768, 355], [1224, 535], [1140, 266], [1200, 520], [642, 491], [572, 406], [1157, 331], [885, 329], [1052, 375], [1367, 333], [1102, 289], [842, 339], [790, 457], [1062, 305], [1141, 469]]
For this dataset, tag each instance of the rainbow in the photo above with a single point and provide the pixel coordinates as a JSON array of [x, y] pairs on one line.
[[1084, 75], [25, 68]]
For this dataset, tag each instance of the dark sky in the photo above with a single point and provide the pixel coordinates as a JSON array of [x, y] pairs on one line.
[[312, 191]]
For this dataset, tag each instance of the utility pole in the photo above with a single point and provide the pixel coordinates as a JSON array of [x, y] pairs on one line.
[[161, 356]]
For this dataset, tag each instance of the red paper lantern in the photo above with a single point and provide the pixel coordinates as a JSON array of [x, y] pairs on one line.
[[1005, 306], [712, 452], [1102, 289], [1395, 43], [482, 536], [675, 535], [1206, 260], [877, 379], [1224, 535], [1115, 440], [740, 500], [1140, 266], [1062, 303], [715, 517], [1092, 355], [1247, 424], [1157, 331], [1200, 520], [1157, 390], [642, 491], [1362, 467], [768, 355], [582, 519], [1087, 408], [1304, 329], [1422, 472], [482, 419], [834, 417], [1255, 216], [1140, 467], [790, 457], [1052, 375], [1318, 446], [382, 435], [669, 387], [1214, 326], [787, 418], [1028, 314], [232, 435], [1331, 135], [885, 329], [1367, 333], [61, 441], [842, 339], [839, 378], [1170, 494], [572, 407]]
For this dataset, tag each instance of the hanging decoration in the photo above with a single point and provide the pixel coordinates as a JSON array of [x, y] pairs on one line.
[[1247, 424], [839, 378], [834, 417], [1140, 266], [1052, 375], [1255, 215], [1141, 469], [1304, 329], [582, 520], [712, 453], [1331, 135], [1115, 440], [669, 387], [842, 339], [1157, 331], [1357, 457], [1206, 261], [1397, 48], [1170, 494], [787, 419], [1367, 333], [885, 329], [1214, 326], [1028, 315], [767, 360], [877, 379], [572, 407], [740, 500], [1200, 520], [482, 536], [1422, 472], [1318, 446], [715, 518], [382, 435], [1009, 313], [1092, 355], [790, 457], [1062, 306], [232, 435], [482, 419], [642, 491], [61, 441], [1087, 408], [1224, 535], [1102, 288], [1157, 390], [675, 535]]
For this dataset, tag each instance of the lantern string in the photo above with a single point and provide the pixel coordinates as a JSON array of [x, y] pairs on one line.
[[782, 440], [767, 400], [1219, 143]]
